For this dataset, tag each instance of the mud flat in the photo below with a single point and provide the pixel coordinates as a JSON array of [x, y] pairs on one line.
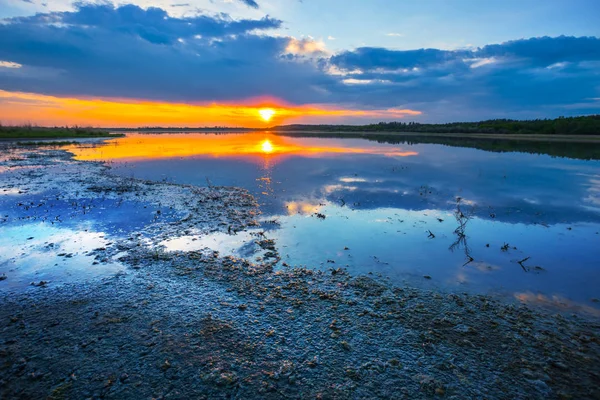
[[197, 324]]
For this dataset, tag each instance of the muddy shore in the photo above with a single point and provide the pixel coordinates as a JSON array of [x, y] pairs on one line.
[[199, 325]]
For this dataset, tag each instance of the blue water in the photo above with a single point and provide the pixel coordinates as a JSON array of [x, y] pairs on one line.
[[398, 215], [520, 225], [50, 237]]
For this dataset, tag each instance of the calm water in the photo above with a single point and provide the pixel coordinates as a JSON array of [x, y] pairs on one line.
[[49, 236], [461, 216]]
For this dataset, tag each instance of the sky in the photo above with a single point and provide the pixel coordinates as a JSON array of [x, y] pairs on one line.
[[260, 63]]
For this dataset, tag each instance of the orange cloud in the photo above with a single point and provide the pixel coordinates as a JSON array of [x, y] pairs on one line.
[[19, 108], [305, 46]]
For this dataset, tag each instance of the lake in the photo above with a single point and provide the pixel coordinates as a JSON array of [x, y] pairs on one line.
[[512, 223]]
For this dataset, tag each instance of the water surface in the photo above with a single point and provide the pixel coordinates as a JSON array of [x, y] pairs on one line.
[[519, 224]]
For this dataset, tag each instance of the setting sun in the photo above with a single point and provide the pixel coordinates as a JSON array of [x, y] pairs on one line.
[[266, 113]]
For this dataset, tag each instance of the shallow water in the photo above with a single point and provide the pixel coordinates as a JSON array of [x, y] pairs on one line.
[[39, 254], [52, 236], [425, 214]]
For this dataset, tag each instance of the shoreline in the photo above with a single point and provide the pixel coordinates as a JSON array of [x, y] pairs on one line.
[[110, 134], [196, 324], [504, 136]]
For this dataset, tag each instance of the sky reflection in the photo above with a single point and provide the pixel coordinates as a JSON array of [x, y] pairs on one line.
[[256, 145], [390, 209]]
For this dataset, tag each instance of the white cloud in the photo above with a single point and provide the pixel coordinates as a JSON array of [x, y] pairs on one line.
[[480, 62], [352, 81], [9, 64], [558, 65]]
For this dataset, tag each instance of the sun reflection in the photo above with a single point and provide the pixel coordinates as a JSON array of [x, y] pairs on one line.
[[266, 113], [266, 146]]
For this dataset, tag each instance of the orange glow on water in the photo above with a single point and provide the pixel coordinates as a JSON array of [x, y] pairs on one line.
[[259, 145], [20, 108], [302, 207]]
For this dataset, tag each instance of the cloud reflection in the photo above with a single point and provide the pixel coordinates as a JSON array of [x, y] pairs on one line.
[[302, 207], [555, 302]]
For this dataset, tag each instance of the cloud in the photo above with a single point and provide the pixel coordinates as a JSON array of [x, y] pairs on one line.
[[250, 3], [306, 46], [370, 58], [542, 51], [151, 24], [131, 52], [9, 64], [537, 77], [480, 62], [100, 50]]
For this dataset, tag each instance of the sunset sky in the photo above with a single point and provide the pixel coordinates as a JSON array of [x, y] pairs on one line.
[[260, 63]]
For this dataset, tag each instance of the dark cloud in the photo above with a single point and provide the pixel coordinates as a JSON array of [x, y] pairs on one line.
[[152, 24], [250, 3], [130, 52], [124, 52], [369, 58], [533, 77], [542, 51]]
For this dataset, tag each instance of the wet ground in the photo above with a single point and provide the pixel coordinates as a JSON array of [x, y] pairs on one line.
[[180, 322]]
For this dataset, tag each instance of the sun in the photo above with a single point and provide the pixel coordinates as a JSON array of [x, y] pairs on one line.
[[266, 146], [266, 113]]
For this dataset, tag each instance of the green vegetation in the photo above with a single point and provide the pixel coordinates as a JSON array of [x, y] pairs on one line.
[[587, 125], [34, 132]]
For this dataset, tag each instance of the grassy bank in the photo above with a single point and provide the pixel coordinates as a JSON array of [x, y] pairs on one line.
[[30, 132]]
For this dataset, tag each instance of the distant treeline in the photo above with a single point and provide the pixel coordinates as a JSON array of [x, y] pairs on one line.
[[587, 125]]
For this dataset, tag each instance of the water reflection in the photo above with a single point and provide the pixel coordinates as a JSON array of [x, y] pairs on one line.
[[48, 238], [42, 254], [253, 145], [469, 219]]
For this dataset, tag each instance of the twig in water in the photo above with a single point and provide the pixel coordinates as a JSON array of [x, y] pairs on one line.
[[521, 264], [461, 236]]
